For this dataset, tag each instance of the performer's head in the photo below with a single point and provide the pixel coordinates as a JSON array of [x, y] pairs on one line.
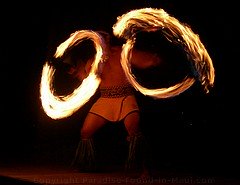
[[111, 39]]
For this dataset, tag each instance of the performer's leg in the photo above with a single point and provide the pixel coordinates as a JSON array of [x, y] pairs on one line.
[[85, 154], [91, 124], [137, 154]]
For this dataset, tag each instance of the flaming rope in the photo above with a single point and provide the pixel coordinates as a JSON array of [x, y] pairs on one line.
[[149, 19], [127, 25], [58, 107]]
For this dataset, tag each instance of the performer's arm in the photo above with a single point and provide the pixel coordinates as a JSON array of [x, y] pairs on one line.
[[144, 59], [80, 71]]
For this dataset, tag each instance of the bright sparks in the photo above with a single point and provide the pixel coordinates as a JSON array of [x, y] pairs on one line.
[[149, 19], [58, 107]]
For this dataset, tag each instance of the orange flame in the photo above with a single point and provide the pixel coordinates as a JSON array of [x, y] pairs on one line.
[[149, 19], [58, 107]]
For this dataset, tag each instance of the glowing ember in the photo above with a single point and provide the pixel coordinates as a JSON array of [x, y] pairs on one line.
[[58, 107], [149, 19]]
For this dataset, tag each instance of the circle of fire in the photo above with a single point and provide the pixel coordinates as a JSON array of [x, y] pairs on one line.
[[127, 25], [149, 19], [58, 107]]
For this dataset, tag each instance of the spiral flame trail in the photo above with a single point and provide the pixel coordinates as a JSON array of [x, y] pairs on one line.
[[150, 19], [58, 107]]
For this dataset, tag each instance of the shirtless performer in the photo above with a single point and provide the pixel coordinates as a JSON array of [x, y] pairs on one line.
[[116, 103]]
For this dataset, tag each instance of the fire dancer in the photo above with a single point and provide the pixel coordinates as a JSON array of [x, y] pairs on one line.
[[117, 102], [111, 74]]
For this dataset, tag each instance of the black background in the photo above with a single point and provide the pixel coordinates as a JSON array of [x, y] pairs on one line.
[[193, 131]]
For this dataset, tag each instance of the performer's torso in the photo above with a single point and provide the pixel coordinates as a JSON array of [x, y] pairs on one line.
[[113, 73]]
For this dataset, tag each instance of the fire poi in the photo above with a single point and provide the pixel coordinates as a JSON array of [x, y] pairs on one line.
[[127, 25]]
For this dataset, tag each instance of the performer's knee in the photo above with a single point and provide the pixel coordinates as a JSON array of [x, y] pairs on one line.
[[133, 130], [86, 133]]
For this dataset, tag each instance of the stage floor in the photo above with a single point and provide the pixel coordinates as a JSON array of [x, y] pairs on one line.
[[20, 174]]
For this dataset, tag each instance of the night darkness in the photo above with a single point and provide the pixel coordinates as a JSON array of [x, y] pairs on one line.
[[193, 131]]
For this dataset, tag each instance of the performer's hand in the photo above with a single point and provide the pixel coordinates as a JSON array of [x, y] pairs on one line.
[[100, 68]]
